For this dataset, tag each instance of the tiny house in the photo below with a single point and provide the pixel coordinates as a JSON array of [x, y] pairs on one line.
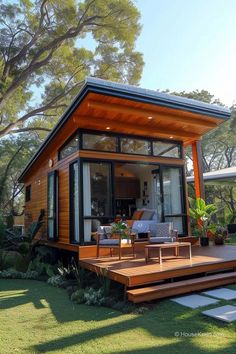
[[118, 150]]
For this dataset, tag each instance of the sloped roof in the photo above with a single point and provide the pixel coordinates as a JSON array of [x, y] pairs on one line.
[[134, 93]]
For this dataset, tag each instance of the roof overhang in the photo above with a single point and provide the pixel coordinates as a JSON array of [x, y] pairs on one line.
[[133, 110]]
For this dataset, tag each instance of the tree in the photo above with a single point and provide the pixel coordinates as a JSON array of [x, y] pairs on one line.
[[44, 55], [14, 152], [219, 151]]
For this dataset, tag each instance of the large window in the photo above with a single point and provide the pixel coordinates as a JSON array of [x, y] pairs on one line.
[[173, 196], [115, 143], [52, 205], [97, 194], [135, 146], [74, 202], [99, 142], [164, 149], [70, 147]]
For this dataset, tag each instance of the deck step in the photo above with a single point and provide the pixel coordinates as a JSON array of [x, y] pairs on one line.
[[180, 287]]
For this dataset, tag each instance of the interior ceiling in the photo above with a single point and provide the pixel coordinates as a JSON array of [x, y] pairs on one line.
[[100, 112]]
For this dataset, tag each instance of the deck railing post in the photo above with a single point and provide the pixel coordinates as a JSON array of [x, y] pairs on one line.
[[198, 170]]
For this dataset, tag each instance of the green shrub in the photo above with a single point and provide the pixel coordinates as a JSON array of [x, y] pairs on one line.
[[11, 273], [78, 296], [56, 280], [24, 248], [13, 259], [42, 268], [2, 229]]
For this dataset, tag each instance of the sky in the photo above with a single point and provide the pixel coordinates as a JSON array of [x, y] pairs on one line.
[[188, 45]]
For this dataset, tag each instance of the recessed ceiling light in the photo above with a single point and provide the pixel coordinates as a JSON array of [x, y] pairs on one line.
[[171, 137], [150, 117], [108, 128]]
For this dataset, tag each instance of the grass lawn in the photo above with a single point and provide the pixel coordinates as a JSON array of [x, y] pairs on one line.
[[37, 318]]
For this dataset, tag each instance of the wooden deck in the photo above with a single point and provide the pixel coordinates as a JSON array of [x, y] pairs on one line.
[[134, 272]]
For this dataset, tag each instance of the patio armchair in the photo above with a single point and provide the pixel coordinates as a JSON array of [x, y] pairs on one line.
[[105, 239], [162, 232]]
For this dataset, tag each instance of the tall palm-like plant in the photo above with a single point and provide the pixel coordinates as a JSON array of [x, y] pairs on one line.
[[202, 214]]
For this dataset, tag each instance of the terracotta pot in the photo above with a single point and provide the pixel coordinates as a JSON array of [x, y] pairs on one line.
[[219, 240]]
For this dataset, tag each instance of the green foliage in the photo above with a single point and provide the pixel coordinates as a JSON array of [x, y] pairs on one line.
[[78, 296], [201, 213], [2, 229], [40, 263], [13, 259], [44, 44], [120, 227], [11, 273], [15, 153], [56, 280]]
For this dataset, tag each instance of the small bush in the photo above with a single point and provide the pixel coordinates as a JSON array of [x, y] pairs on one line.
[[56, 280], [78, 296], [24, 248], [13, 259], [11, 273]]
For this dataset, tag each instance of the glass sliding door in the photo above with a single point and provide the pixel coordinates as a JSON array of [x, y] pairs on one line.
[[97, 195], [74, 202], [158, 197], [52, 222], [173, 205]]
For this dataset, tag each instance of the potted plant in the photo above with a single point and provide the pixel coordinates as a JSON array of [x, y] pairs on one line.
[[220, 235], [121, 229], [202, 213]]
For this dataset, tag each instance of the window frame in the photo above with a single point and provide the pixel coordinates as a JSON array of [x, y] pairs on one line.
[[28, 193], [54, 174], [76, 134], [119, 136], [80, 132]]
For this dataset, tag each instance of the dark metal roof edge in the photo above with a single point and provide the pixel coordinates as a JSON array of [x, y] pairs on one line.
[[160, 98], [98, 86]]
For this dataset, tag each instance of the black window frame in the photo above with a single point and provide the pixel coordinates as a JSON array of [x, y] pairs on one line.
[[28, 193], [119, 136], [55, 205], [71, 202], [80, 132], [82, 217], [98, 133], [74, 135]]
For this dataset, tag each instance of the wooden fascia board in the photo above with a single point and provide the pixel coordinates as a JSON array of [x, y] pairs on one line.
[[146, 113], [101, 123]]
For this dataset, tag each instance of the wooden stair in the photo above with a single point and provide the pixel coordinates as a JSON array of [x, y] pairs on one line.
[[180, 287]]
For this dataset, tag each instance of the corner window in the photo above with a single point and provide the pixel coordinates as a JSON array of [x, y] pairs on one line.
[[164, 149], [69, 148], [28, 193]]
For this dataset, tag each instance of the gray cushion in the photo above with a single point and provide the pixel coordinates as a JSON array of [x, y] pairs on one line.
[[162, 239], [147, 215], [108, 242]]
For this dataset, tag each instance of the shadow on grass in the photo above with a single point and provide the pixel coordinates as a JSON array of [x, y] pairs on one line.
[[161, 323]]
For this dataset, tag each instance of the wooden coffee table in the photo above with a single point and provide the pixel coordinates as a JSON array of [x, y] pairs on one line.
[[160, 246]]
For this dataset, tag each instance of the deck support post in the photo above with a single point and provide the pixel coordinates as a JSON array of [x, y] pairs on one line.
[[198, 170]]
